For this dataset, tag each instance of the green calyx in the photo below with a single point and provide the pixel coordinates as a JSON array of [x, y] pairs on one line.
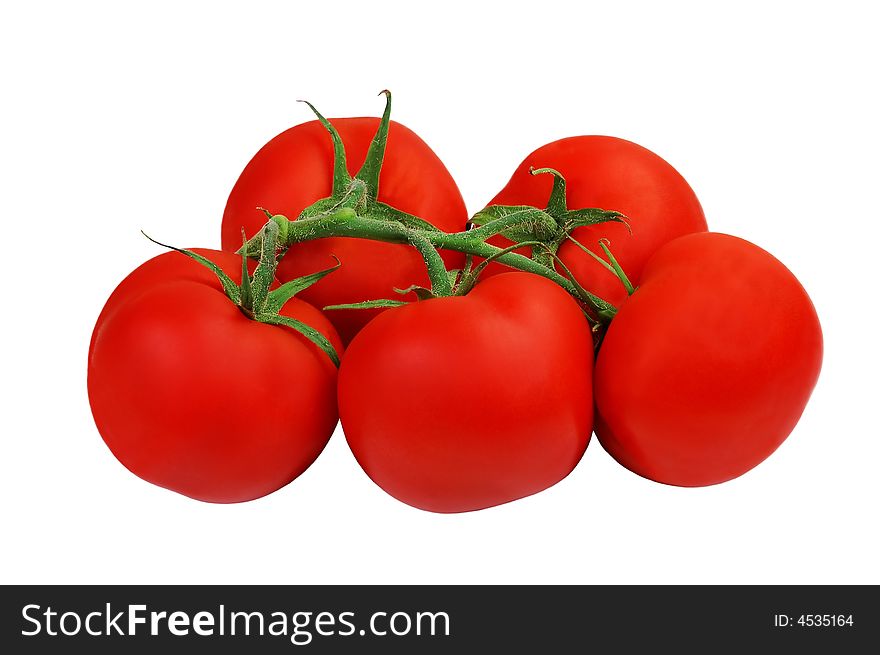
[[353, 210], [549, 226], [356, 199], [255, 298], [360, 193]]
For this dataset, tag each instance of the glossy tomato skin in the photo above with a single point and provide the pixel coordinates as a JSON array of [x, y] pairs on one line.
[[458, 404], [707, 368], [294, 170], [169, 266], [191, 395], [614, 174]]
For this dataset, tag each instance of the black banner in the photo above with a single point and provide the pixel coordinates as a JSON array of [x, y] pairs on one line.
[[437, 619]]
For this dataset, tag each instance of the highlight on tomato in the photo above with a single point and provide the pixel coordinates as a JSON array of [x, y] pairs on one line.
[[204, 380], [708, 366]]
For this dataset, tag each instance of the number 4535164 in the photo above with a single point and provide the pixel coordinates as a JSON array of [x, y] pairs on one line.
[[813, 620]]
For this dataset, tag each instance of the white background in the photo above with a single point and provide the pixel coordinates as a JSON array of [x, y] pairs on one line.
[[117, 118]]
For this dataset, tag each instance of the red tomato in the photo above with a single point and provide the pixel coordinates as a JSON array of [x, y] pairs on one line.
[[608, 173], [445, 441], [295, 169], [191, 395], [707, 368], [168, 266]]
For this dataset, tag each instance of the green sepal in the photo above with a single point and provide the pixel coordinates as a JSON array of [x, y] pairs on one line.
[[570, 219], [230, 288], [381, 303], [253, 297], [307, 331], [614, 267], [422, 293], [341, 178], [278, 297], [590, 216], [372, 166], [601, 261], [558, 203], [515, 222]]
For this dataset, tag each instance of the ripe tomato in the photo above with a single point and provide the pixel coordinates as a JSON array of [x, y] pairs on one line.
[[519, 425], [191, 395], [169, 266], [707, 368], [608, 173], [294, 170]]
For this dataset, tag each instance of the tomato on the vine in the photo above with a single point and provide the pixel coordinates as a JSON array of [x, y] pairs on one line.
[[708, 366], [191, 394], [459, 403], [295, 169], [613, 174]]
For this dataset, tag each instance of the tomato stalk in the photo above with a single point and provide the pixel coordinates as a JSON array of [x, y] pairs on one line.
[[353, 210], [549, 226], [346, 223]]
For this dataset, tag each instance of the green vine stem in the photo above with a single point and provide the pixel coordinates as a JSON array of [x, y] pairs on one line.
[[346, 223], [353, 210]]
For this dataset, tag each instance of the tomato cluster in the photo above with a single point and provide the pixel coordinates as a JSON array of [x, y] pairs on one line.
[[691, 354]]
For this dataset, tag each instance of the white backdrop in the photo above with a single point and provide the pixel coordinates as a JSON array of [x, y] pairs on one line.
[[118, 118]]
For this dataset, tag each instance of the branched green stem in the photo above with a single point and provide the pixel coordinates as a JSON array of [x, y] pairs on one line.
[[437, 273], [346, 223]]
